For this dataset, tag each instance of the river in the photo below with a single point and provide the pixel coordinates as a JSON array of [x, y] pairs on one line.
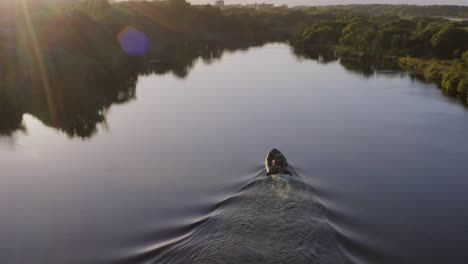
[[173, 173]]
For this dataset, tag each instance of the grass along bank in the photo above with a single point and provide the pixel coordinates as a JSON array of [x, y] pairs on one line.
[[452, 76]]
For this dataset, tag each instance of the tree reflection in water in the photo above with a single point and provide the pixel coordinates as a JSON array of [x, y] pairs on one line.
[[79, 97]]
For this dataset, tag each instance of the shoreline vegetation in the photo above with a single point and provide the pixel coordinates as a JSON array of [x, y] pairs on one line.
[[66, 65], [432, 48]]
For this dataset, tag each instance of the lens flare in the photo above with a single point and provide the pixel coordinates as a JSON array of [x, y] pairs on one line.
[[133, 41]]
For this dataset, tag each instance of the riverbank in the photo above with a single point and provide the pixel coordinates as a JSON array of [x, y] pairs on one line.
[[452, 76], [432, 48]]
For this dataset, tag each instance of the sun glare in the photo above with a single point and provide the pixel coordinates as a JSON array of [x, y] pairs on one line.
[[38, 56]]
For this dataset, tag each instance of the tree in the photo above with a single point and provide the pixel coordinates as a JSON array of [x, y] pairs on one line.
[[463, 87], [451, 81], [404, 24], [359, 34], [449, 39], [95, 8], [179, 4], [393, 38], [325, 35]]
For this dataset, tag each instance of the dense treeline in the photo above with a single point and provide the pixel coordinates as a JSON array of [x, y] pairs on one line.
[[432, 47], [66, 65], [87, 34], [378, 35], [402, 10]]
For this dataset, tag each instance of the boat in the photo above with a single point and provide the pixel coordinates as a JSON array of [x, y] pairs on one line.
[[276, 163]]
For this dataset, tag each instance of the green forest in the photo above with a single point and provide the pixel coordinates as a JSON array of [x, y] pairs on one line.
[[402, 10], [435, 48], [51, 53]]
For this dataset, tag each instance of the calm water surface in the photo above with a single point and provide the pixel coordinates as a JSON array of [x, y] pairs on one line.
[[175, 176]]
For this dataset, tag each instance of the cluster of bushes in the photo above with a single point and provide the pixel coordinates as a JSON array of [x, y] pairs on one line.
[[456, 80]]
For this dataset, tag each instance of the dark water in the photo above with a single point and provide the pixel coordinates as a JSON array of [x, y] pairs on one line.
[[168, 169]]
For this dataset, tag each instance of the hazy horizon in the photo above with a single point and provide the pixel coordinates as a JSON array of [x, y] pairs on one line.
[[337, 2]]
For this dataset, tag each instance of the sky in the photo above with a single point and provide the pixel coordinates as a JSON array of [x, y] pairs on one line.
[[339, 2]]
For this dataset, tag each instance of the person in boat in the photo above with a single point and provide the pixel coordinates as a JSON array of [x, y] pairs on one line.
[[276, 163]]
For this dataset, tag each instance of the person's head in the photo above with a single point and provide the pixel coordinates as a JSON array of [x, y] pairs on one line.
[[278, 163]]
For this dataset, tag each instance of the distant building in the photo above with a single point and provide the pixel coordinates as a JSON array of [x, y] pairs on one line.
[[264, 6], [219, 3], [232, 6]]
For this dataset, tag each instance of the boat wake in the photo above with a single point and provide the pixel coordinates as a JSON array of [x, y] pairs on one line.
[[275, 219]]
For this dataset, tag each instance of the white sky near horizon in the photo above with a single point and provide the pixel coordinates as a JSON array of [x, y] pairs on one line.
[[338, 2]]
